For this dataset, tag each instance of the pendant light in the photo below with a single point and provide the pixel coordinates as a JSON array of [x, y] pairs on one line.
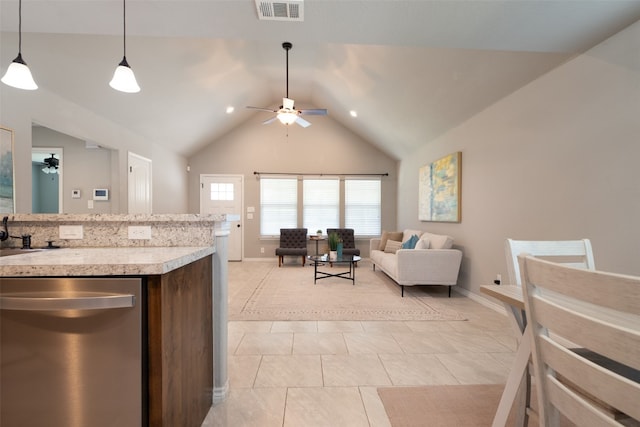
[[123, 79], [18, 74]]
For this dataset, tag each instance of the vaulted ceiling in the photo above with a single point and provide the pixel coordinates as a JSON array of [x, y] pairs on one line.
[[411, 69]]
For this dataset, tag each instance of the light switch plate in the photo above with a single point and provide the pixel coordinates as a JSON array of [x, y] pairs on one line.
[[70, 232], [139, 232]]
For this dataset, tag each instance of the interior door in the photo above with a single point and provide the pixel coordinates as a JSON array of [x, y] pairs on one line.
[[139, 184], [222, 194]]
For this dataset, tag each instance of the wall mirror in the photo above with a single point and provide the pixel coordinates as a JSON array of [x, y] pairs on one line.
[[82, 167], [7, 187]]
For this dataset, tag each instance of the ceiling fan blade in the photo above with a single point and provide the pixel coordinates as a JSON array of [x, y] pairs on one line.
[[302, 122], [314, 111], [287, 103], [271, 120], [262, 109]]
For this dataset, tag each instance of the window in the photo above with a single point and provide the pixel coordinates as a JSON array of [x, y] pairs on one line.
[[221, 191], [321, 204], [278, 205], [362, 210]]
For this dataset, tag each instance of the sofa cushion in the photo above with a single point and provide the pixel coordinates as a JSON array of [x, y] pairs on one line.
[[423, 243], [411, 243], [438, 241], [389, 235], [392, 246], [406, 235]]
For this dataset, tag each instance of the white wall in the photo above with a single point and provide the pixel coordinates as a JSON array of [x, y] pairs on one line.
[[20, 108], [324, 147], [557, 159]]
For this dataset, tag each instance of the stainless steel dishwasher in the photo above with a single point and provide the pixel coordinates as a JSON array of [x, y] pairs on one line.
[[71, 352]]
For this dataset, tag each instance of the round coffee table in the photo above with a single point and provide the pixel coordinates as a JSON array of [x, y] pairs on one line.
[[324, 260]]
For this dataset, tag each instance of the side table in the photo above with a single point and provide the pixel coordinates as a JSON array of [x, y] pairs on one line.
[[317, 239]]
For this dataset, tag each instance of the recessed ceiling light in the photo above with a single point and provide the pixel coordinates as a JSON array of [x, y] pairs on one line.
[[230, 109], [353, 113]]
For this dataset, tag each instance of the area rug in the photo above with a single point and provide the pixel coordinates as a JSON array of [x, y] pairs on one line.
[[443, 405], [264, 291]]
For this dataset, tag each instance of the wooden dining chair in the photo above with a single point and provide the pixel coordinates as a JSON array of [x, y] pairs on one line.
[[576, 253], [601, 313]]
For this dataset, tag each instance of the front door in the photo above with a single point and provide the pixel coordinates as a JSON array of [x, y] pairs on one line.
[[222, 194]]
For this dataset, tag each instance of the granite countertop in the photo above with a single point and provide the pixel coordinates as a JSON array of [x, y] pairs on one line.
[[125, 261]]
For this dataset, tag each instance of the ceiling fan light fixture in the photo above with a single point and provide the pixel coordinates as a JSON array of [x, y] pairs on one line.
[[123, 78], [18, 74], [50, 164], [287, 118]]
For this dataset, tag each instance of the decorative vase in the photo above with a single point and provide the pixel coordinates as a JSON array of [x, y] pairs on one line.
[[333, 255], [339, 249]]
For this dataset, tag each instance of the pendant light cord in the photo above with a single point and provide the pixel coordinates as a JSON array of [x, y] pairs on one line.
[[124, 27], [19, 27]]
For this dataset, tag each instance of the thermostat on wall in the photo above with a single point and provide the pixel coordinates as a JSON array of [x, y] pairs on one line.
[[100, 194]]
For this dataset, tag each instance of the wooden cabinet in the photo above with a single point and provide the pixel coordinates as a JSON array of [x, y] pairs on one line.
[[180, 345]]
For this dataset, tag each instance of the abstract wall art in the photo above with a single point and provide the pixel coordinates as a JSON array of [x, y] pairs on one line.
[[439, 190]]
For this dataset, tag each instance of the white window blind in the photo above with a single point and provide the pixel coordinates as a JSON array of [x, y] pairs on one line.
[[363, 206], [321, 204], [278, 205]]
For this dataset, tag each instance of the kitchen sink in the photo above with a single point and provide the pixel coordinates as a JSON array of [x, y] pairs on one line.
[[16, 251]]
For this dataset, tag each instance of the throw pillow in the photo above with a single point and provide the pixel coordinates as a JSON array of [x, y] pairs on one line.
[[389, 235], [439, 241], [411, 243], [422, 244], [406, 234], [392, 246]]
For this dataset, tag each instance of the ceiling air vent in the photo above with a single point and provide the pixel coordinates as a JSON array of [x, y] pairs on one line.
[[291, 10]]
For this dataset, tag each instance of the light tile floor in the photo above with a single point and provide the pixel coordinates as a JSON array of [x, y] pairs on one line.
[[325, 373]]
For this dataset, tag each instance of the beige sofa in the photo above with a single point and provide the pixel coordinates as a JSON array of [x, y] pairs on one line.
[[439, 264]]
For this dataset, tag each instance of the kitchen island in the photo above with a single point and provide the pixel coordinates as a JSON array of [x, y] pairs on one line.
[[177, 320]]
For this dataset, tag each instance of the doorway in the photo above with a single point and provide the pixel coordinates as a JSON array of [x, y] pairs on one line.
[[139, 184], [46, 180], [222, 194]]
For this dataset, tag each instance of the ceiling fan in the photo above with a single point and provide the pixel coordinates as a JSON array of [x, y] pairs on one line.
[[287, 113], [50, 164]]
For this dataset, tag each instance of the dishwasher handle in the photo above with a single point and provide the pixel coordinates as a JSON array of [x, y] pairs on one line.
[[45, 302]]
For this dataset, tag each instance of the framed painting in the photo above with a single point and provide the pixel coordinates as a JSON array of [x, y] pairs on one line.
[[7, 202], [439, 190]]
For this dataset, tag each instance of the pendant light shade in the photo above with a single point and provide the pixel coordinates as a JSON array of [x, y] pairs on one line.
[[123, 78], [18, 74]]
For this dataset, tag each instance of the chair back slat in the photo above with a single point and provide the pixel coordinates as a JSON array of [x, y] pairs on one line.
[[598, 311], [586, 375], [583, 414], [593, 333], [577, 253]]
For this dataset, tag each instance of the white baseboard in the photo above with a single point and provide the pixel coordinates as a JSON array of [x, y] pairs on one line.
[[481, 300], [220, 393]]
